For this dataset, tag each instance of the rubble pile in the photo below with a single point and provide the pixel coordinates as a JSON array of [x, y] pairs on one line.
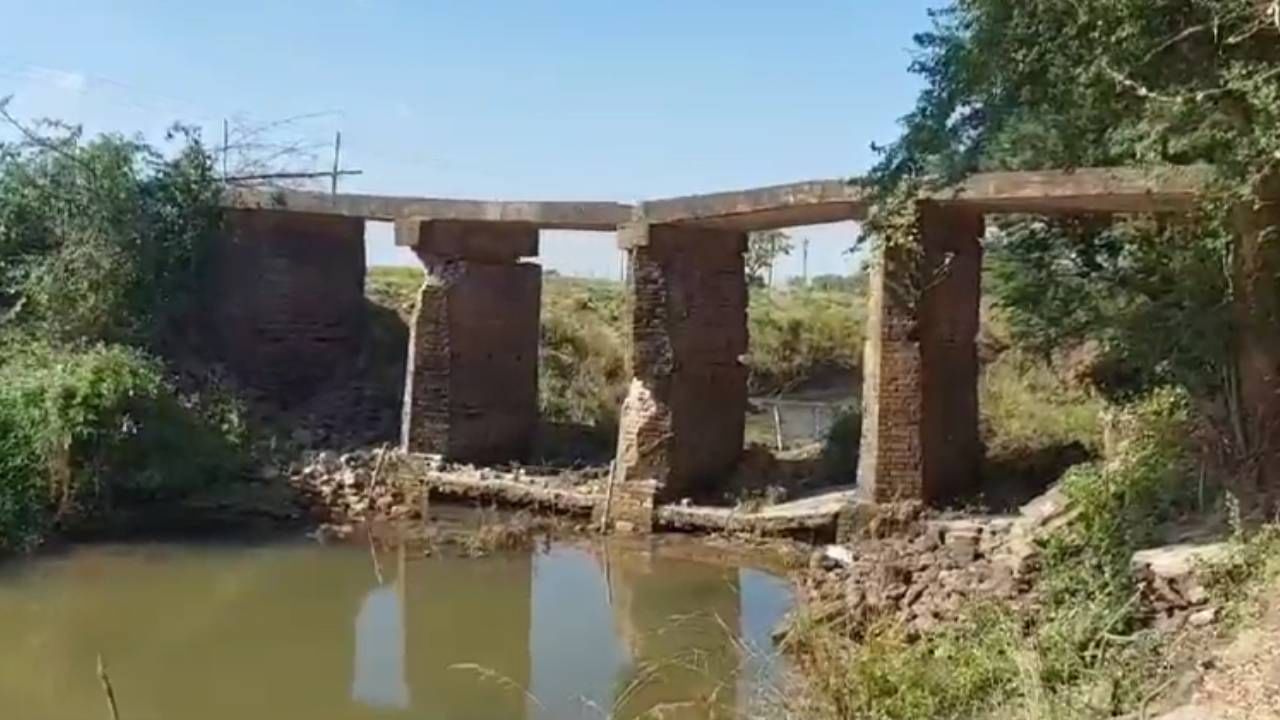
[[924, 576]]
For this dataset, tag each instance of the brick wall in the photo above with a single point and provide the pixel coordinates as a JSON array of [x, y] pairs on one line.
[[286, 301]]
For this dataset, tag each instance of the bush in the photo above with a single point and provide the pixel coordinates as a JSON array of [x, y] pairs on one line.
[[104, 240], [801, 334], [966, 668], [583, 370], [1027, 406], [102, 249], [81, 427], [1081, 650]]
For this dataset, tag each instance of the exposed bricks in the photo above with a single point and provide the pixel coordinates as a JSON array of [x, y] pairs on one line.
[[683, 420], [920, 406], [471, 389], [287, 299]]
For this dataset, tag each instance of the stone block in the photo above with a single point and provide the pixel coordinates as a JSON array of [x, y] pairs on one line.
[[488, 242]]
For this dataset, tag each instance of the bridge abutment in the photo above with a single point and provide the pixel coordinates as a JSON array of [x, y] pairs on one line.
[[286, 301], [683, 421], [471, 386]]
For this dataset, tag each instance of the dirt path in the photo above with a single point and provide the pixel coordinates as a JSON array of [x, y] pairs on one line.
[[1244, 680]]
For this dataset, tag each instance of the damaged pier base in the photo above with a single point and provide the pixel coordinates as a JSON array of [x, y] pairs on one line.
[[471, 387], [683, 421]]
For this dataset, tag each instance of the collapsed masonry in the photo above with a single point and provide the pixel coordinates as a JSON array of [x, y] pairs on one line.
[[292, 267]]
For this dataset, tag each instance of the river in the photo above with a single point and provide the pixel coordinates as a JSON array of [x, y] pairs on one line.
[[295, 631]]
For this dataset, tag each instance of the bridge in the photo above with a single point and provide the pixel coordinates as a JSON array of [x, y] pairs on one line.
[[292, 275]]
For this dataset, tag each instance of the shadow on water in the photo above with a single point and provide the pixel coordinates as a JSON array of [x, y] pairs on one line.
[[299, 631]]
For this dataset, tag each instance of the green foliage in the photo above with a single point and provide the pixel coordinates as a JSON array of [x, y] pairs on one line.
[[583, 371], [1027, 406], [81, 427], [1122, 82], [1081, 651], [1151, 296], [103, 240], [102, 246], [395, 288], [764, 248], [966, 668], [797, 335]]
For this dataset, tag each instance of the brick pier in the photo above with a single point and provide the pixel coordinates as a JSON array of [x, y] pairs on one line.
[[682, 423], [471, 385]]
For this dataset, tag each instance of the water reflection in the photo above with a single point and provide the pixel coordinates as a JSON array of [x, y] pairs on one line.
[[379, 680], [305, 632]]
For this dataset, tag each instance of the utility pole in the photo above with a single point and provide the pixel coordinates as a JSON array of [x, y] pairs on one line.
[[337, 151], [804, 266], [226, 147]]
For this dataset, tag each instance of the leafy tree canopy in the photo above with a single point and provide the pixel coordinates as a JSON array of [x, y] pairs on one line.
[[1036, 84]]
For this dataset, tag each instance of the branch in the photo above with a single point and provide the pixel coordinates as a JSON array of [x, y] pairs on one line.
[[35, 139], [1174, 41]]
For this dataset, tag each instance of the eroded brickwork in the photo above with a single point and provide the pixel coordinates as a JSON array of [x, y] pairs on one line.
[[287, 299], [920, 368], [890, 467], [683, 419], [471, 388]]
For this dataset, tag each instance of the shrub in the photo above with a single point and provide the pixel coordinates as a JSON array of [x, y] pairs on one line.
[[583, 370], [104, 240], [1080, 651], [801, 334], [81, 427], [102, 249]]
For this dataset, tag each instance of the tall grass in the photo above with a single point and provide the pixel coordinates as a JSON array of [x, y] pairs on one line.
[[1081, 650]]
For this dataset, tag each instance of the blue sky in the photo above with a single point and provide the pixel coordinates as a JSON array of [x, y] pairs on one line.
[[512, 99]]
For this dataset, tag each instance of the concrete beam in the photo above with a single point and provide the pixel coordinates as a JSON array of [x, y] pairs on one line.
[[486, 242], [1086, 190], [804, 203], [549, 215]]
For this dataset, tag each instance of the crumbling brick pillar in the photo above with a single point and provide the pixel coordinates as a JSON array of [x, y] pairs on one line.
[[920, 369], [683, 420], [286, 299], [471, 386]]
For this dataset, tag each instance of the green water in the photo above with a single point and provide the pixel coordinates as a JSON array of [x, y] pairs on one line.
[[283, 632]]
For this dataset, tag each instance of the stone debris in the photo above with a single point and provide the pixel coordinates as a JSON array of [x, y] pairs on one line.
[[350, 489], [920, 571], [1172, 582], [919, 578]]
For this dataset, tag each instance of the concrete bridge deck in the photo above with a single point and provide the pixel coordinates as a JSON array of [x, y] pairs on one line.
[[1101, 190], [292, 274]]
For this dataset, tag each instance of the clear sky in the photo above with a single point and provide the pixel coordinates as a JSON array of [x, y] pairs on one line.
[[505, 99]]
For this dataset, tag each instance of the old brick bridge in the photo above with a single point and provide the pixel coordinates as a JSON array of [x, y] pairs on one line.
[[295, 263]]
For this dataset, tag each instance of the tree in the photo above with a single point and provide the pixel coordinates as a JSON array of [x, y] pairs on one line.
[[763, 250], [1123, 82]]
